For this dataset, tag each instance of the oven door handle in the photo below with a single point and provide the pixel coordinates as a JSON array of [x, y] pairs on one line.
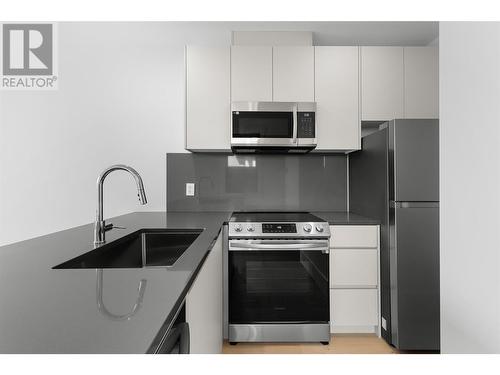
[[279, 245]]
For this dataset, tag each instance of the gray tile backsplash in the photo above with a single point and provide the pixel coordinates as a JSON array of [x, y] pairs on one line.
[[225, 182]]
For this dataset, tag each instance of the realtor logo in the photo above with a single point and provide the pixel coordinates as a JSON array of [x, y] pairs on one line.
[[28, 56]]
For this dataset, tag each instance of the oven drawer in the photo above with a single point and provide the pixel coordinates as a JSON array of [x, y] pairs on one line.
[[354, 236]]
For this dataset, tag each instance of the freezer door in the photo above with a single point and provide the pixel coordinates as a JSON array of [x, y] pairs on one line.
[[414, 257], [414, 160]]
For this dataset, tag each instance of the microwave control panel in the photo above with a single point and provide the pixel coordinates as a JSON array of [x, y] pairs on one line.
[[305, 125]]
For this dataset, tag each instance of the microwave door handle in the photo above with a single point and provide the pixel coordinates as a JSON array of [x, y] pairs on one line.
[[295, 123]]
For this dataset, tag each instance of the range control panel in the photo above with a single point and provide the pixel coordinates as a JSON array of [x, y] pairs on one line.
[[279, 230]]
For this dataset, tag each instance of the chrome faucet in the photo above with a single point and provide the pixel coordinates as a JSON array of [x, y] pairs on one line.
[[100, 226]]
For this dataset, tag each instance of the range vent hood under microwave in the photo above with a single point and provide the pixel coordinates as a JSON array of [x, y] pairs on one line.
[[273, 127]]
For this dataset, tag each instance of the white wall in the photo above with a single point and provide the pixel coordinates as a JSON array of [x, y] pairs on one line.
[[119, 101], [469, 55]]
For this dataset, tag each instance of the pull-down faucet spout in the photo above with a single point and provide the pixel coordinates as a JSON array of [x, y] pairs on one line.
[[100, 226]]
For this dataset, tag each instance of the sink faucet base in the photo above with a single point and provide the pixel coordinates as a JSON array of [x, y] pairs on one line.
[[99, 232]]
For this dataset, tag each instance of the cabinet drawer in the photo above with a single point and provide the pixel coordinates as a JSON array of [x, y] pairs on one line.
[[353, 267], [353, 307], [354, 236]]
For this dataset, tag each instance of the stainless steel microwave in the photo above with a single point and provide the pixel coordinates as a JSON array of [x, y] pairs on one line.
[[273, 126]]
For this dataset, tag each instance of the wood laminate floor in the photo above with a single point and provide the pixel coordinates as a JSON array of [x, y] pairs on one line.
[[339, 344]]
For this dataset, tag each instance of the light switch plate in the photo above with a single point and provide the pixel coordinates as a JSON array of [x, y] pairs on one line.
[[189, 189]]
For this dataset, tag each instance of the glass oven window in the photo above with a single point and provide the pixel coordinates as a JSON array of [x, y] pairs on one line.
[[278, 286], [262, 125]]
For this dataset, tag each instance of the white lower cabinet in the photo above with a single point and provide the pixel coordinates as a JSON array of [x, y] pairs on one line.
[[354, 279], [353, 268], [354, 310], [204, 305], [354, 236]]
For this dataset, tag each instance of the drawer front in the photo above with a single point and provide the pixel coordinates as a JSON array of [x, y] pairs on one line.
[[353, 307], [354, 236], [353, 268]]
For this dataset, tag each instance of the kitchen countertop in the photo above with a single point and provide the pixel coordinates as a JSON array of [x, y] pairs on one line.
[[345, 218], [44, 310], [47, 310]]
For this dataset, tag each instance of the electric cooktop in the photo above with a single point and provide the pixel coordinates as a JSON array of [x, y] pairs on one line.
[[274, 217]]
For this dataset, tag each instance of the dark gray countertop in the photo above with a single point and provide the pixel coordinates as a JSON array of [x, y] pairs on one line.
[[55, 311], [345, 218]]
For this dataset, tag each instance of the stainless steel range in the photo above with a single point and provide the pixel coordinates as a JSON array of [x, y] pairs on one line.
[[277, 273]]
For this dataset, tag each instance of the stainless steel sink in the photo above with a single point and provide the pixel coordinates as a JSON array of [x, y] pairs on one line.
[[144, 248]]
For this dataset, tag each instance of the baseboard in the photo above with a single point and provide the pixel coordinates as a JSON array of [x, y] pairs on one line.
[[353, 329]]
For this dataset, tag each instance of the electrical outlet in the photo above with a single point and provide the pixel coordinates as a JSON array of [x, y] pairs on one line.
[[189, 189]]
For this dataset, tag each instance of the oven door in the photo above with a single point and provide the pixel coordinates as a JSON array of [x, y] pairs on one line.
[[263, 124], [278, 281]]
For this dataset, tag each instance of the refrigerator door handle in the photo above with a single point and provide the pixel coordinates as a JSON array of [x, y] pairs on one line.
[[397, 204]]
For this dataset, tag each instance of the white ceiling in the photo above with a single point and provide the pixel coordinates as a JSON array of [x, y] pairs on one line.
[[343, 32]]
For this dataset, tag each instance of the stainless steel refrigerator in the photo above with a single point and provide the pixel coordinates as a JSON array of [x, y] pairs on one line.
[[395, 178]]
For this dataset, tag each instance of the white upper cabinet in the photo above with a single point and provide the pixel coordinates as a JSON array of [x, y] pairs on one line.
[[208, 98], [381, 83], [336, 85], [251, 73], [421, 82], [293, 74], [349, 84]]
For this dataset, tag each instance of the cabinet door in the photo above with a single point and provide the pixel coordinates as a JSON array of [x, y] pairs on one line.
[[251, 73], [421, 82], [353, 268], [204, 305], [353, 308], [293, 74], [336, 87], [381, 83], [208, 98]]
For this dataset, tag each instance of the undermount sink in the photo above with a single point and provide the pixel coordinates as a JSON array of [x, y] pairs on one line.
[[143, 248]]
